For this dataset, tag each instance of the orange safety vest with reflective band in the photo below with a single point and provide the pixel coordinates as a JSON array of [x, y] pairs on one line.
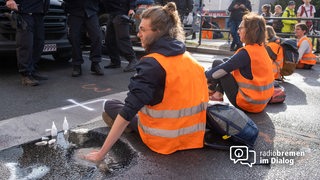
[[254, 95], [179, 121], [307, 58], [278, 63]]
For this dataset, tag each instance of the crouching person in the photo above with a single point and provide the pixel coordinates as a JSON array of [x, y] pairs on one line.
[[169, 91], [306, 58]]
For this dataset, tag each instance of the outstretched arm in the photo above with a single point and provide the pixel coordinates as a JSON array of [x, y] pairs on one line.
[[116, 130]]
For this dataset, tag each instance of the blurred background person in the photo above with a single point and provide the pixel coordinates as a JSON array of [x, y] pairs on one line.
[[306, 10], [237, 9], [288, 24], [277, 23], [266, 12]]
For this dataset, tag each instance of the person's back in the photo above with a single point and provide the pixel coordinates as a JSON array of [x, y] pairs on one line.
[[275, 51], [246, 77]]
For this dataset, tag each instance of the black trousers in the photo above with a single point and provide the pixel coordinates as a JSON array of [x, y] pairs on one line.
[[30, 41], [118, 39], [226, 84], [75, 33]]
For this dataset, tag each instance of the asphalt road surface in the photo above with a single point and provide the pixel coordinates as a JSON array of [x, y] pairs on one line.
[[287, 146]]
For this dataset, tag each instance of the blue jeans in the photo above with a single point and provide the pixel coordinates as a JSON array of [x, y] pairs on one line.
[[234, 25]]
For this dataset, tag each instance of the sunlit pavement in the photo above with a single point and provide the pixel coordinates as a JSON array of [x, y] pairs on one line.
[[287, 146]]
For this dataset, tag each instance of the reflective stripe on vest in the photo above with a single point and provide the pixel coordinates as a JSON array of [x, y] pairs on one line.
[[172, 133], [178, 121], [254, 94], [307, 58], [174, 113]]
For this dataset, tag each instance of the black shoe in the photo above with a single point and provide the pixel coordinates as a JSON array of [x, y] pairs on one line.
[[96, 69], [28, 80], [37, 76], [112, 66], [76, 71], [131, 66]]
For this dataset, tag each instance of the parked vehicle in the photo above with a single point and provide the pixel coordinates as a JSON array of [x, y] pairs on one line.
[[56, 40]]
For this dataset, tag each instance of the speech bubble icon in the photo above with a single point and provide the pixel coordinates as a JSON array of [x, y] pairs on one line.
[[238, 153], [248, 162]]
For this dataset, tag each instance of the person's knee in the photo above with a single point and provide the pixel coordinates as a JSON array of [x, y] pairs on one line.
[[216, 62], [112, 107]]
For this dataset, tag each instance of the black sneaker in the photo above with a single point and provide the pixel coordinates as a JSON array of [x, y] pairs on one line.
[[37, 76], [28, 80], [131, 66], [95, 67], [76, 71], [112, 66]]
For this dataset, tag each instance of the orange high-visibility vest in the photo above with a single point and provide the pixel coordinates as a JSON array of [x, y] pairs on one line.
[[254, 95], [278, 63], [307, 58], [179, 121]]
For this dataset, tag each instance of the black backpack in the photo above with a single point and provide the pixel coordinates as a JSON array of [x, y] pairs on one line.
[[229, 124], [290, 56]]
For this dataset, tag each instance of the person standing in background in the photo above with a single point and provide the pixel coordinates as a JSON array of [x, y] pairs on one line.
[[29, 37], [266, 12], [306, 10], [237, 9], [118, 33], [277, 23], [84, 13], [288, 24]]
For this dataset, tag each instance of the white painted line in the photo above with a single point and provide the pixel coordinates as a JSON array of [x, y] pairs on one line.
[[81, 104]]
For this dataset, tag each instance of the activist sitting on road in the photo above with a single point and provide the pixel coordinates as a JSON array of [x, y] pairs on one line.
[[247, 77], [275, 51], [306, 58], [169, 91]]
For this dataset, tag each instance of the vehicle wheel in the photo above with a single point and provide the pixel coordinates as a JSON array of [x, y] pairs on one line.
[[62, 56]]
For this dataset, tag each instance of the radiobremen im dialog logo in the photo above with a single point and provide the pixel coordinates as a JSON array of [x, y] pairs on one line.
[[246, 156]]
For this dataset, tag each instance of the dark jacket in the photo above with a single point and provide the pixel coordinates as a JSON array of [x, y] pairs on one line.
[[33, 6], [119, 7], [236, 14], [147, 85], [82, 7]]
